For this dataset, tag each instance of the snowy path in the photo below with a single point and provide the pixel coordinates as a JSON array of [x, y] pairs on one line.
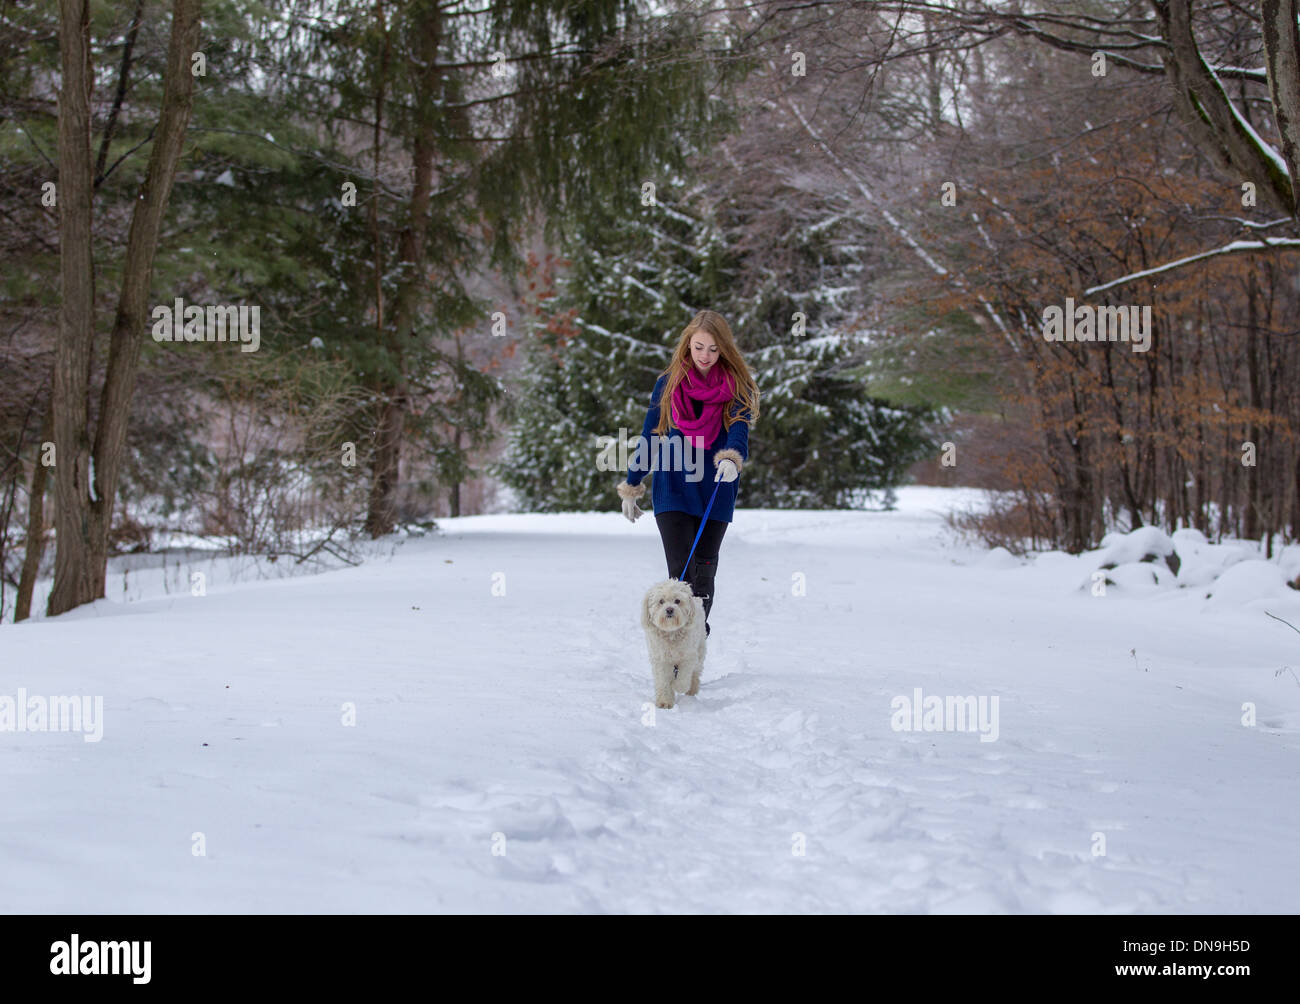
[[524, 715]]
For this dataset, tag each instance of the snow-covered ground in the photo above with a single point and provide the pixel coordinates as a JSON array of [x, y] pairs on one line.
[[506, 756]]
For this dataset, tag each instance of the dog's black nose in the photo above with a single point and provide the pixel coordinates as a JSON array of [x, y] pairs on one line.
[[668, 612]]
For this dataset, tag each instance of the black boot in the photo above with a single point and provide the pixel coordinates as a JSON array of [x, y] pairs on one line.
[[703, 571]]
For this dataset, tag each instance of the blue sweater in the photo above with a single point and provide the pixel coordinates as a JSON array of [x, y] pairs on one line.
[[672, 488]]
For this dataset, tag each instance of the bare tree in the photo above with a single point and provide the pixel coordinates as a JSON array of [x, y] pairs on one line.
[[1163, 42]]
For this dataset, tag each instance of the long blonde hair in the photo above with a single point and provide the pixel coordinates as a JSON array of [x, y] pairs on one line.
[[745, 390]]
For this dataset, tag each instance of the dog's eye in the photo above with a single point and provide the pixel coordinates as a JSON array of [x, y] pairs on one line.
[[661, 602]]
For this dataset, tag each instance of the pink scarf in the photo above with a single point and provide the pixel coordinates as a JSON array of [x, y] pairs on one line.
[[713, 391]]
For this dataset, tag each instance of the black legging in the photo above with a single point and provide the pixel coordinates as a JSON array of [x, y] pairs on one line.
[[677, 531]]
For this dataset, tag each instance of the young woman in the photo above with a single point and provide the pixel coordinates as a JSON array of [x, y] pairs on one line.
[[701, 409]]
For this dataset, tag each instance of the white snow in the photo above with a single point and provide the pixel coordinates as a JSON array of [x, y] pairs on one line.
[[1135, 545], [500, 687], [1134, 575], [1203, 562], [1248, 580]]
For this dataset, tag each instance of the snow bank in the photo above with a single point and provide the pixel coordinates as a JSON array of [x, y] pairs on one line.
[[1143, 544], [1248, 580], [1147, 560]]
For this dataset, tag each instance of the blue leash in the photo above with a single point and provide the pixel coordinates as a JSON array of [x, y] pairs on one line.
[[698, 533]]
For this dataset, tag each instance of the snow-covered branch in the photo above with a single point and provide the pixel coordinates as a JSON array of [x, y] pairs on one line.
[[1235, 247]]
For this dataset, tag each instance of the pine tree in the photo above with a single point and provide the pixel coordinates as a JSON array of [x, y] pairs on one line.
[[591, 363], [826, 443], [821, 439]]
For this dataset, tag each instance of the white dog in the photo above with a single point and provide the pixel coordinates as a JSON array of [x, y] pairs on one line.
[[673, 618]]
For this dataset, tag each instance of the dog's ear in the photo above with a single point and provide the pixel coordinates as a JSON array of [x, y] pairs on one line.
[[645, 611]]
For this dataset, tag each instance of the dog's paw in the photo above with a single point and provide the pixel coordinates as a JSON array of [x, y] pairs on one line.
[[662, 703]]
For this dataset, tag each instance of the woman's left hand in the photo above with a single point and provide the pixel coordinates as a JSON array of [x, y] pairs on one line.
[[727, 471]]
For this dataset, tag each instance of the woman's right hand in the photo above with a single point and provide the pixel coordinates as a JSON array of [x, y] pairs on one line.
[[629, 494]]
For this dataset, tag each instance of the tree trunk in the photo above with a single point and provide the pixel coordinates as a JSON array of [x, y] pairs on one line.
[[1282, 59], [73, 582], [381, 518], [1295, 496], [1203, 491], [35, 522], [457, 441], [1207, 111], [85, 478], [1252, 474]]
